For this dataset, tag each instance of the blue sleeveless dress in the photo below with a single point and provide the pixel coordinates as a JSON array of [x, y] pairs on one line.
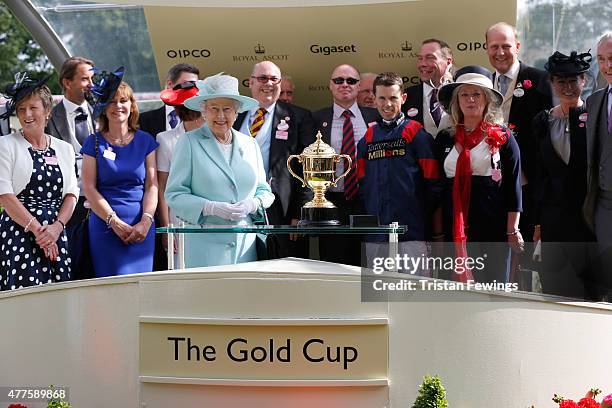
[[121, 181]]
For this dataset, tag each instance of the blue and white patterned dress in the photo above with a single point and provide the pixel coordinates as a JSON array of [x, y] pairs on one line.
[[22, 262]]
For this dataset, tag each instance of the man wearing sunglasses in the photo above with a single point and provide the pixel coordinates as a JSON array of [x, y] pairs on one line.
[[159, 120], [342, 125], [281, 129]]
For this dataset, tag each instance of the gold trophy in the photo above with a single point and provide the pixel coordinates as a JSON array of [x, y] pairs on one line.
[[319, 167]]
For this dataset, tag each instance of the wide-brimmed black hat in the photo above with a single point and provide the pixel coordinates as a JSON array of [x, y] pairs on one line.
[[105, 85], [20, 90], [469, 75], [573, 64]]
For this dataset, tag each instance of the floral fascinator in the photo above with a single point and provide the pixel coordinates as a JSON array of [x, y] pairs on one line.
[[20, 90], [105, 85]]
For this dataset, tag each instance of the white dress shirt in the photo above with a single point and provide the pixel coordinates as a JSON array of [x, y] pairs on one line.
[[513, 75], [264, 136], [480, 160], [359, 129], [170, 109], [71, 114]]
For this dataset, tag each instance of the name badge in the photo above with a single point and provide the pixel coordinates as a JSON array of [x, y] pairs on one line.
[[412, 112], [496, 175], [281, 134], [51, 160], [109, 154]]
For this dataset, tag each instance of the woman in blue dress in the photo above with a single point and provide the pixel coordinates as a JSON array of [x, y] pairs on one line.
[[120, 183]]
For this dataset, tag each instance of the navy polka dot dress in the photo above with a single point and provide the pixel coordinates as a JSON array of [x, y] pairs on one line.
[[23, 262]]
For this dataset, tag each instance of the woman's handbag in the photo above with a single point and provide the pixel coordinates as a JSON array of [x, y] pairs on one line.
[[268, 245]]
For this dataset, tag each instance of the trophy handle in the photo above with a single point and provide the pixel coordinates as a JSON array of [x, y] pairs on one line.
[[348, 168], [295, 156]]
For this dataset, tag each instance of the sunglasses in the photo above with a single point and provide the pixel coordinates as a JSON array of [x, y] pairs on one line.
[[349, 80], [184, 85], [265, 79]]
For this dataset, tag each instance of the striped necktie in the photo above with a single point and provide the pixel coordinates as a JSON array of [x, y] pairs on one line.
[[348, 148], [434, 107], [258, 122], [503, 82]]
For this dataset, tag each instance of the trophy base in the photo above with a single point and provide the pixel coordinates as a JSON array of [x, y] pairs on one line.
[[319, 217]]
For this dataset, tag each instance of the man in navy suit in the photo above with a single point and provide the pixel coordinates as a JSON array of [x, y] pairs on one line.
[[337, 123], [526, 92], [434, 63], [159, 120], [281, 129]]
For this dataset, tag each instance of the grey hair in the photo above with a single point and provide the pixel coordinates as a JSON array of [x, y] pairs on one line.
[[607, 36], [492, 113], [237, 105]]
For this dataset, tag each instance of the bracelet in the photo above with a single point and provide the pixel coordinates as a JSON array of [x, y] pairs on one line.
[[514, 232], [109, 217], [60, 221], [27, 226], [437, 236], [149, 216]]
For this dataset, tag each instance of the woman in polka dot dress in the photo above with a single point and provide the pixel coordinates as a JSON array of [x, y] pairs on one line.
[[38, 192]]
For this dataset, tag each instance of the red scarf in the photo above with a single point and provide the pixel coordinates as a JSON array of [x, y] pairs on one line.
[[462, 186], [495, 137]]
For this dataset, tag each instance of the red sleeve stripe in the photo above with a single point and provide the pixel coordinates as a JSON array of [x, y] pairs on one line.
[[430, 168], [361, 163], [410, 130], [369, 135]]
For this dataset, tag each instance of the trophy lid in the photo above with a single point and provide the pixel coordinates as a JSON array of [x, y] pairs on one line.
[[319, 148]]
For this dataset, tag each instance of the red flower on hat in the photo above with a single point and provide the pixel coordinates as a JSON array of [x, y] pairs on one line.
[[527, 83]]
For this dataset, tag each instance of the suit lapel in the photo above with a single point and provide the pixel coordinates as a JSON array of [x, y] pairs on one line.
[[420, 105], [277, 146], [239, 120], [211, 149], [515, 103], [60, 122], [325, 128]]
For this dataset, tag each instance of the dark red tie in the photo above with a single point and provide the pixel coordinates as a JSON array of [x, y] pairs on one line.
[[348, 148]]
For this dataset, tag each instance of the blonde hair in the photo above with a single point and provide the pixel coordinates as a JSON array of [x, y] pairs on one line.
[[492, 112], [124, 90]]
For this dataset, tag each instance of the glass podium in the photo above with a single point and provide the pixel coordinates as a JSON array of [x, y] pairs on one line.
[[393, 230]]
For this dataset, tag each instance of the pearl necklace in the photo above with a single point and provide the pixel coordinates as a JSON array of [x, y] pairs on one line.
[[44, 149]]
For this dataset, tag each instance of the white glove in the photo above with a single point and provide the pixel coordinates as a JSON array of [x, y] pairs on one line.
[[227, 211], [247, 206]]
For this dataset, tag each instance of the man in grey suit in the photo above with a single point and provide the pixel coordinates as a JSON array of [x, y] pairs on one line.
[[72, 119], [598, 203]]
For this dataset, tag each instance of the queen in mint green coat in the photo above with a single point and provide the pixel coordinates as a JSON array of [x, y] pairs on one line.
[[219, 165]]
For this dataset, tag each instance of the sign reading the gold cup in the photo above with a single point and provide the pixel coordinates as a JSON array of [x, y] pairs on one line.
[[319, 168], [264, 352]]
